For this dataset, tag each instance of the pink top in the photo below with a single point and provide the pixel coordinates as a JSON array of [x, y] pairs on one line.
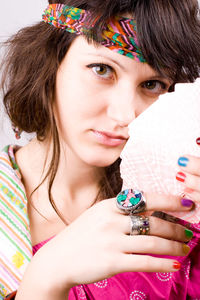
[[184, 284]]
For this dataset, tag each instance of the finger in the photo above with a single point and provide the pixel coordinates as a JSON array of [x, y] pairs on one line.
[[154, 245], [192, 182], [194, 196], [146, 263], [164, 229], [169, 230], [198, 141], [156, 202], [189, 164]]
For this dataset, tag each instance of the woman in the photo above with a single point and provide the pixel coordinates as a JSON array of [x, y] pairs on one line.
[[77, 80]]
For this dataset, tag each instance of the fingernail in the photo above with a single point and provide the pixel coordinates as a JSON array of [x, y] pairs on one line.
[[186, 249], [188, 233], [183, 161], [188, 190], [187, 202], [198, 141], [180, 176], [177, 265]]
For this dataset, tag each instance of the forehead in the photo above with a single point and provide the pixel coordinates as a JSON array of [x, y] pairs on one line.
[[82, 50]]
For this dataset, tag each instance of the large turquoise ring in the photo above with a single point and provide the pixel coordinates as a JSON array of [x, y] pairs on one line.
[[131, 201]]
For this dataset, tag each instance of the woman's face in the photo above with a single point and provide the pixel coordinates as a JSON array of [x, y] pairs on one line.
[[98, 93]]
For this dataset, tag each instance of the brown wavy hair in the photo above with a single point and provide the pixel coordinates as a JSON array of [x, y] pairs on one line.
[[169, 37]]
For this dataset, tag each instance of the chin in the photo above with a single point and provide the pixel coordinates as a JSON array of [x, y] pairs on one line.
[[102, 161]]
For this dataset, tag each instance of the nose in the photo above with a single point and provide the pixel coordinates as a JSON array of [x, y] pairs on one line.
[[123, 107]]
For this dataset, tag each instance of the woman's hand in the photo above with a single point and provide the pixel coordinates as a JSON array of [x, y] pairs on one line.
[[97, 245], [190, 175]]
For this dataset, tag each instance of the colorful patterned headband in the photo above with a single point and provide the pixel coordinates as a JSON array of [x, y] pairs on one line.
[[119, 35]]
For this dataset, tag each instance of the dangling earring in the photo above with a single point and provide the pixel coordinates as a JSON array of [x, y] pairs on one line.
[[17, 132]]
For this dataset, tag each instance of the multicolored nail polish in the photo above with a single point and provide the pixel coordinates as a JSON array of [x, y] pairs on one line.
[[198, 141], [177, 265], [186, 249], [180, 176], [187, 202], [188, 233], [183, 161], [188, 190]]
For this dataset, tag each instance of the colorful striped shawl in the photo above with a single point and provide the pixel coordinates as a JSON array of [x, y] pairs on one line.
[[15, 239]]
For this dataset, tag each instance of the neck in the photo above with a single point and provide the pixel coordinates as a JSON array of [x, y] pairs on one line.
[[74, 179]]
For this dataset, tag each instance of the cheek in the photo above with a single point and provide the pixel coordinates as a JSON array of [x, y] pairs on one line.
[[80, 102], [79, 95]]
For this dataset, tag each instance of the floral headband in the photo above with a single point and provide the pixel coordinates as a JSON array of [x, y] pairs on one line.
[[119, 34]]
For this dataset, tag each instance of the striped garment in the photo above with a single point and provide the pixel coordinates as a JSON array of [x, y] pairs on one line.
[[15, 240]]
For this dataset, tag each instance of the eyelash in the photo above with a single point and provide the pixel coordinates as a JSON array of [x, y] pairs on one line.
[[110, 69], [164, 87]]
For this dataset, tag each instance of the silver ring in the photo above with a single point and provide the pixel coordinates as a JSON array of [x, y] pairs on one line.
[[139, 225], [131, 201]]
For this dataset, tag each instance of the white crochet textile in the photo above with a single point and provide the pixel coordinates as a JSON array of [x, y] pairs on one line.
[[165, 131]]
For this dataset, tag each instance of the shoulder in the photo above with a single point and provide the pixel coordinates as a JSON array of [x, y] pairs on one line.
[[11, 188], [7, 160], [15, 246], [9, 171]]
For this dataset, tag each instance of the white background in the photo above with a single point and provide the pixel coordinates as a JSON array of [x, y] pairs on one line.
[[14, 15]]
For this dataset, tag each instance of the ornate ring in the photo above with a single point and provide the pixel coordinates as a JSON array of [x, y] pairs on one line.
[[131, 201], [139, 225]]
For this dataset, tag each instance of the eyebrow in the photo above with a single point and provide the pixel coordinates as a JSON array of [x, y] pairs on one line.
[[153, 77], [160, 77], [107, 57]]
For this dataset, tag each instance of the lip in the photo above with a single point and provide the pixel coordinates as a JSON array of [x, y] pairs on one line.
[[109, 138]]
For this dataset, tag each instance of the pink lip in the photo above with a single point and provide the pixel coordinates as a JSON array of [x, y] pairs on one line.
[[109, 139]]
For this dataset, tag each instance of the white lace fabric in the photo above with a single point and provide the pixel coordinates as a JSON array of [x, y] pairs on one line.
[[165, 131]]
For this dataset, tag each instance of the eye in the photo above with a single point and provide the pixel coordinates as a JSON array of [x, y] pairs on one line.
[[155, 86], [102, 70]]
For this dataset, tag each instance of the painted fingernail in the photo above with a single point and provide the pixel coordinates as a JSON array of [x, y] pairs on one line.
[[198, 141], [188, 190], [180, 176], [188, 233], [177, 265], [186, 249], [183, 161], [187, 202]]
